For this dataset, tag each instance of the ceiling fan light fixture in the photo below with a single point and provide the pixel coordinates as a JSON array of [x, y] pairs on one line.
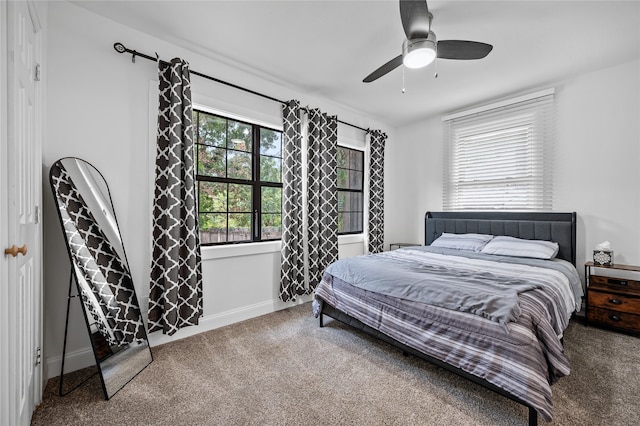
[[420, 52]]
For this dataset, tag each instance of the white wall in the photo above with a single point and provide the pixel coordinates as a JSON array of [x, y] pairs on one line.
[[99, 110], [596, 172]]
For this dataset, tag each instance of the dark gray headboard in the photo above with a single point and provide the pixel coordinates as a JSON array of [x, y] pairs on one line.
[[558, 227]]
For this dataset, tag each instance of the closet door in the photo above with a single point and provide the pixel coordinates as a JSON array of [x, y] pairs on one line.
[[21, 192]]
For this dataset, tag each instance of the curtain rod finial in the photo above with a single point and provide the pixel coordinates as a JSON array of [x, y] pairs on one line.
[[119, 47]]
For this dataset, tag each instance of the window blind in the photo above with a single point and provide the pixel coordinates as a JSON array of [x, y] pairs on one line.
[[500, 159]]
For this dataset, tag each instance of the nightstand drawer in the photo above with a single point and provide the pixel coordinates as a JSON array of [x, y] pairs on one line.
[[615, 319], [615, 284], [617, 302]]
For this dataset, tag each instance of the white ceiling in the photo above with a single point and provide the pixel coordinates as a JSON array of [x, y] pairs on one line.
[[327, 47]]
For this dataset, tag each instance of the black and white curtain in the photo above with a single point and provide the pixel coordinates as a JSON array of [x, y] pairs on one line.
[[376, 191], [175, 298], [308, 247], [292, 281], [322, 194]]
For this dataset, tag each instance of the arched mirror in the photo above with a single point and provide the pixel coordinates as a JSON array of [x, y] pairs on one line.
[[101, 272]]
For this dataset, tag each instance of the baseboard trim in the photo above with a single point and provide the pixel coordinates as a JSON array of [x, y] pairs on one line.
[[76, 360], [83, 358], [211, 322]]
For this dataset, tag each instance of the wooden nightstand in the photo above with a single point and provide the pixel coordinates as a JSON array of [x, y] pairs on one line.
[[613, 301]]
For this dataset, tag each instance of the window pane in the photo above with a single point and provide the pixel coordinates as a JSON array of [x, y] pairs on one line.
[[211, 130], [239, 137], [356, 220], [350, 222], [355, 180], [239, 226], [239, 198], [270, 169], [356, 160], [342, 178], [342, 157], [211, 161], [343, 201], [271, 226], [344, 222], [213, 228], [212, 197], [238, 165], [270, 142], [271, 200], [356, 202]]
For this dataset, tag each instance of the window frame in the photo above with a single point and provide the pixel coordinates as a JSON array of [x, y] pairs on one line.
[[255, 183], [350, 190]]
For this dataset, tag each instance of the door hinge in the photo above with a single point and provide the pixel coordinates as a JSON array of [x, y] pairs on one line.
[[38, 356], [36, 74], [37, 214]]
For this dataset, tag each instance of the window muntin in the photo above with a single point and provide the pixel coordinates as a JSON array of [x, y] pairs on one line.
[[232, 205], [350, 184]]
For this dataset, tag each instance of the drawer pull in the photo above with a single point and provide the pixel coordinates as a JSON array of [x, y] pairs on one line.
[[617, 281], [615, 301], [615, 318]]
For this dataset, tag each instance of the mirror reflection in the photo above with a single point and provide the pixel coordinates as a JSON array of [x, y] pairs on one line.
[[102, 273]]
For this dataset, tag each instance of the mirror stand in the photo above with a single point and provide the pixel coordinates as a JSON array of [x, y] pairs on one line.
[[61, 391]]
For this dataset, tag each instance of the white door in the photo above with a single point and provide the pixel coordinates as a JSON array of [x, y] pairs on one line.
[[21, 187]]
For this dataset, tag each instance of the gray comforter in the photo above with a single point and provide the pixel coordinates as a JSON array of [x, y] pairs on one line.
[[480, 288]]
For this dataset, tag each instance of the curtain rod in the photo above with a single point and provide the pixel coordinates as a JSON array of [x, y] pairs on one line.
[[120, 48]]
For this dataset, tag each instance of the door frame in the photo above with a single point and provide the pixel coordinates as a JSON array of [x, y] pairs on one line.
[[4, 225]]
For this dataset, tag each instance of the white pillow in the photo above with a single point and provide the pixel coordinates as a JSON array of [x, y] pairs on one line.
[[517, 247], [471, 242]]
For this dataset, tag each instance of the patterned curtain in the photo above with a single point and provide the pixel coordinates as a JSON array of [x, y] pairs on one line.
[[376, 191], [292, 269], [322, 193], [175, 298]]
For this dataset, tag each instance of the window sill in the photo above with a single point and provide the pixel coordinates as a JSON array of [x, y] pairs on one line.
[[248, 249], [350, 239], [235, 250]]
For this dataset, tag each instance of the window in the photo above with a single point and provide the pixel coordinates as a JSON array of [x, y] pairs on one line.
[[350, 190], [239, 180], [500, 158]]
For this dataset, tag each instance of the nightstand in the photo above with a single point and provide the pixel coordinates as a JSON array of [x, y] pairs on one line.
[[613, 301]]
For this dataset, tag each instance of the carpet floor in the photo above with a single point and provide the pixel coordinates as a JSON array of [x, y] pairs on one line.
[[282, 369]]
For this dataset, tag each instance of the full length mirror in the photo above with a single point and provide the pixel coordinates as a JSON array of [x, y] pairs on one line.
[[101, 272]]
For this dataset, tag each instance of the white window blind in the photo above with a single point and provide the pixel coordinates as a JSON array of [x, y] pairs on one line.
[[500, 158]]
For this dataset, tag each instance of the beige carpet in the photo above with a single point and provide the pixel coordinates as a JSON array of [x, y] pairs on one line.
[[282, 369]]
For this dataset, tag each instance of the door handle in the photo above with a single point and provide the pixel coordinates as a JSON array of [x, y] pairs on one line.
[[13, 251]]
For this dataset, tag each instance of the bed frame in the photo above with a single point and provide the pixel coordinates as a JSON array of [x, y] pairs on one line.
[[558, 227]]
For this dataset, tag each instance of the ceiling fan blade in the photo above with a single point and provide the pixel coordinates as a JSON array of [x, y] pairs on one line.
[[416, 19], [389, 66], [462, 49]]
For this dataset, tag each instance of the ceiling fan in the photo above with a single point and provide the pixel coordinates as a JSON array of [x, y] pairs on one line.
[[421, 46]]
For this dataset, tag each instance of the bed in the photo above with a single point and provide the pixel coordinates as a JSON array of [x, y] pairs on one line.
[[494, 319]]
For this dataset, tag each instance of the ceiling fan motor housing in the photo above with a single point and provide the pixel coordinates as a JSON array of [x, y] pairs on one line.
[[419, 52]]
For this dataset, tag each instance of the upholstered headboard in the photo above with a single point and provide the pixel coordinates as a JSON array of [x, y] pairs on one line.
[[558, 227]]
